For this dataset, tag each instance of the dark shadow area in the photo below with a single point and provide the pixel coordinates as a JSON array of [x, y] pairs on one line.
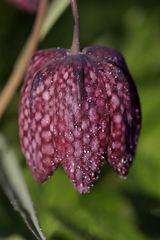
[[144, 207], [15, 28]]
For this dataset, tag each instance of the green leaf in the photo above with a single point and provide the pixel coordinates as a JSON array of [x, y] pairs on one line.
[[56, 8], [15, 188]]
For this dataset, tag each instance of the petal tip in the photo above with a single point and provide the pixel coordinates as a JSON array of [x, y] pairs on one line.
[[82, 188]]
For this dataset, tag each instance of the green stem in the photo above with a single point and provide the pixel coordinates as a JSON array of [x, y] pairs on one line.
[[75, 49]]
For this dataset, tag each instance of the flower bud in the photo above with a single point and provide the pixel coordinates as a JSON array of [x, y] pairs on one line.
[[29, 6], [76, 111]]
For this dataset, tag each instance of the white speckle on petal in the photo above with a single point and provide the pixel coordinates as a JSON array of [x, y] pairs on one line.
[[47, 149], [26, 142], [46, 96], [117, 118], [115, 101], [65, 76], [38, 116], [46, 135], [45, 121]]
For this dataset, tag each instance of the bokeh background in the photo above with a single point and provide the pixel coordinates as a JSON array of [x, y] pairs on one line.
[[115, 209]]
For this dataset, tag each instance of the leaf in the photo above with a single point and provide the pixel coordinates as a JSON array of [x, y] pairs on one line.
[[56, 8], [15, 188]]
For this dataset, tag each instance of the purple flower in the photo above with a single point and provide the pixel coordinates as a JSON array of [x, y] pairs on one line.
[[25, 5], [76, 111]]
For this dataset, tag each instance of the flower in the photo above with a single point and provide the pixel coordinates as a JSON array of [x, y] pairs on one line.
[[25, 5], [77, 110]]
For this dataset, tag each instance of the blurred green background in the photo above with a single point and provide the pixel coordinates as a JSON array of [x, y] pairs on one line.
[[115, 209]]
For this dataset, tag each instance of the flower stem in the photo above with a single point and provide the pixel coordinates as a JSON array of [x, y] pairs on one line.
[[75, 42], [23, 60]]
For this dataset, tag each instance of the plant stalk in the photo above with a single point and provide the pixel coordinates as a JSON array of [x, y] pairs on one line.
[[75, 48]]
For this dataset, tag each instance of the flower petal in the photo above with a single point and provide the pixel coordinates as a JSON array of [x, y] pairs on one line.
[[36, 139], [125, 119], [29, 6]]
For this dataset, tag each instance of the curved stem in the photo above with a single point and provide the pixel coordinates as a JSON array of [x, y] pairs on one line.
[[75, 42], [24, 58]]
